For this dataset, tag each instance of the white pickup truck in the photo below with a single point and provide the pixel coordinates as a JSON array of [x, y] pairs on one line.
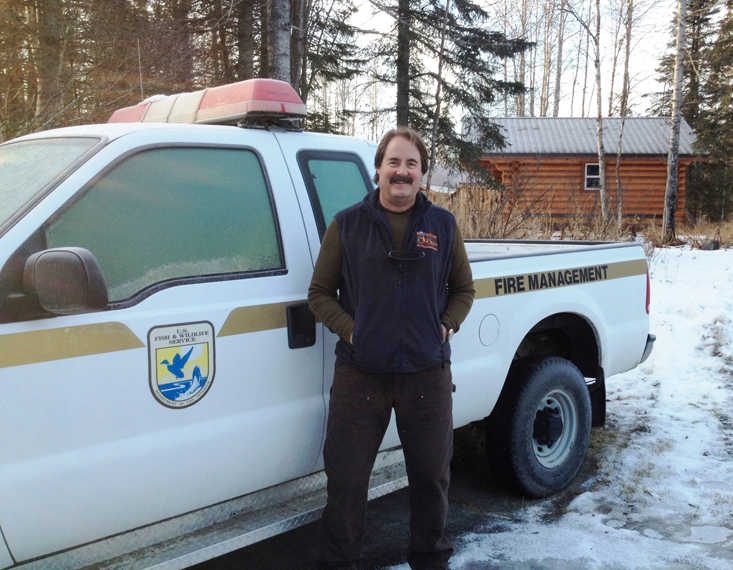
[[164, 387]]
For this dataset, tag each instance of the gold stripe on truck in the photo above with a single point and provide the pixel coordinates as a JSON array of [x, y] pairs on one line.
[[66, 342], [255, 318], [526, 282]]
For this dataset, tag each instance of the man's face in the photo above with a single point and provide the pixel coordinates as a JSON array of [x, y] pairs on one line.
[[399, 175]]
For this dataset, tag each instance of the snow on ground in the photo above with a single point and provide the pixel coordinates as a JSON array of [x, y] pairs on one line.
[[662, 494]]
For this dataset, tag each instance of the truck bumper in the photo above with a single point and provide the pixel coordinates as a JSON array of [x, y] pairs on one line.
[[648, 348]]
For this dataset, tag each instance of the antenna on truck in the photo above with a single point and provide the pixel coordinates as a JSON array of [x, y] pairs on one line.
[[253, 102]]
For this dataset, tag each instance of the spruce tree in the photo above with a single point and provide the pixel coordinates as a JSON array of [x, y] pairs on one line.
[[713, 178], [701, 106], [470, 79], [700, 34], [330, 46]]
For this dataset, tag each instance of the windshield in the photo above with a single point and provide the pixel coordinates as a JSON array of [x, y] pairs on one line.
[[28, 167]]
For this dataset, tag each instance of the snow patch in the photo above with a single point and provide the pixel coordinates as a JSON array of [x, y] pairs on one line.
[[662, 495]]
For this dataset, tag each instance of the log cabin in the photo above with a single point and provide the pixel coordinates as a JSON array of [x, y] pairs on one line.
[[551, 164]]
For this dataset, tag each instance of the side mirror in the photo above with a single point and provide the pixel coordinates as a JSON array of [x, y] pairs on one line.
[[66, 280]]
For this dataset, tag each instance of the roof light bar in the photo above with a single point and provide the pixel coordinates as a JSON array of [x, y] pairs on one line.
[[255, 101]]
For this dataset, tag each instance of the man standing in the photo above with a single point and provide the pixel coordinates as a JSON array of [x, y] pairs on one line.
[[393, 281]]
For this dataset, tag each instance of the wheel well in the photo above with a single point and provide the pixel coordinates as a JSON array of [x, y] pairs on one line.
[[567, 335]]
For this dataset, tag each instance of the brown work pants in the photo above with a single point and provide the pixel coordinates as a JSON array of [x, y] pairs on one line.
[[360, 409]]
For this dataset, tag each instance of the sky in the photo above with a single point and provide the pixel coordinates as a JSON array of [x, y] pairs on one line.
[[662, 496], [650, 38]]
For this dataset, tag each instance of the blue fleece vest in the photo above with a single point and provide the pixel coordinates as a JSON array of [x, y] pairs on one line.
[[396, 295]]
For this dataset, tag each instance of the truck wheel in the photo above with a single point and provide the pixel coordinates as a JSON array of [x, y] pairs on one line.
[[547, 425]]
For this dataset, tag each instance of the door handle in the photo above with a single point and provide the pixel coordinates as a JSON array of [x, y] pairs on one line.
[[301, 326]]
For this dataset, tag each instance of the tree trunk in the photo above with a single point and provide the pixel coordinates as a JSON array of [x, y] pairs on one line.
[[374, 114], [214, 45], [599, 102], [308, 29], [522, 62], [221, 39], [624, 112], [265, 48], [695, 45], [533, 65], [549, 21], [403, 63], [575, 75], [15, 74], [614, 62], [245, 39], [587, 54], [281, 40], [436, 117], [49, 60], [298, 41], [185, 66], [506, 77], [670, 194], [558, 68]]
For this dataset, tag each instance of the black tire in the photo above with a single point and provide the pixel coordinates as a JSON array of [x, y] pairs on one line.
[[540, 432]]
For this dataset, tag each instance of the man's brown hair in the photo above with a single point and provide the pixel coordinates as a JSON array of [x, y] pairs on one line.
[[410, 135]]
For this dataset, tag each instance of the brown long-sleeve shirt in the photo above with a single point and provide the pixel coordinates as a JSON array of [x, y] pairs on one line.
[[323, 290]]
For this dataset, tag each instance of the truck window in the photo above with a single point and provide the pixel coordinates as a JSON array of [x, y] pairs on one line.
[[172, 213], [335, 180], [27, 168]]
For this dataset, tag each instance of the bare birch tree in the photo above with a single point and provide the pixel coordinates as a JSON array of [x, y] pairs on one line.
[[558, 67], [548, 11], [618, 42], [265, 39], [623, 111], [599, 127], [281, 40], [577, 69], [297, 41], [522, 60], [670, 193], [533, 62], [587, 54], [595, 36]]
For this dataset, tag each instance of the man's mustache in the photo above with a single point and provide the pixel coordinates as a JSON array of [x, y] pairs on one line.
[[397, 179]]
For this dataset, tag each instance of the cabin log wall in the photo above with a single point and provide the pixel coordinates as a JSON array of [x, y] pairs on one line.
[[556, 185]]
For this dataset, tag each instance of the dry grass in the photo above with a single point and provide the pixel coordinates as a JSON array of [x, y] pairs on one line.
[[487, 213], [704, 235]]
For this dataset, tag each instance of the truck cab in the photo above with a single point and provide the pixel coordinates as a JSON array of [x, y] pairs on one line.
[[155, 348]]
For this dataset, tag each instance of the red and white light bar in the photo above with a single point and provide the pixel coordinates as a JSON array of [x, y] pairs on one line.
[[224, 104]]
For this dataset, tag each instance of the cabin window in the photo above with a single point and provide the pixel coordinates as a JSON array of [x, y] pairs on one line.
[[592, 176]]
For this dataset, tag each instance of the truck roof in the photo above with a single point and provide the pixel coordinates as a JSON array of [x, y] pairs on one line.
[[111, 131]]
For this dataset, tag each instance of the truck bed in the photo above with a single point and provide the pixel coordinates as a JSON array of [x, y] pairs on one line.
[[484, 249]]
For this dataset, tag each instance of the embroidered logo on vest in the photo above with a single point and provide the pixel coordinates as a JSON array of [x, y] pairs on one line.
[[427, 241]]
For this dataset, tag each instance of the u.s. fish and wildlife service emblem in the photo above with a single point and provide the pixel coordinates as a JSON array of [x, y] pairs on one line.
[[181, 362]]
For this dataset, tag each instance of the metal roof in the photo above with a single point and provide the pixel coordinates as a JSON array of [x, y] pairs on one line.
[[567, 135]]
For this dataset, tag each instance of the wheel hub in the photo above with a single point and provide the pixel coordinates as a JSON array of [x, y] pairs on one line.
[[555, 428], [547, 426]]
